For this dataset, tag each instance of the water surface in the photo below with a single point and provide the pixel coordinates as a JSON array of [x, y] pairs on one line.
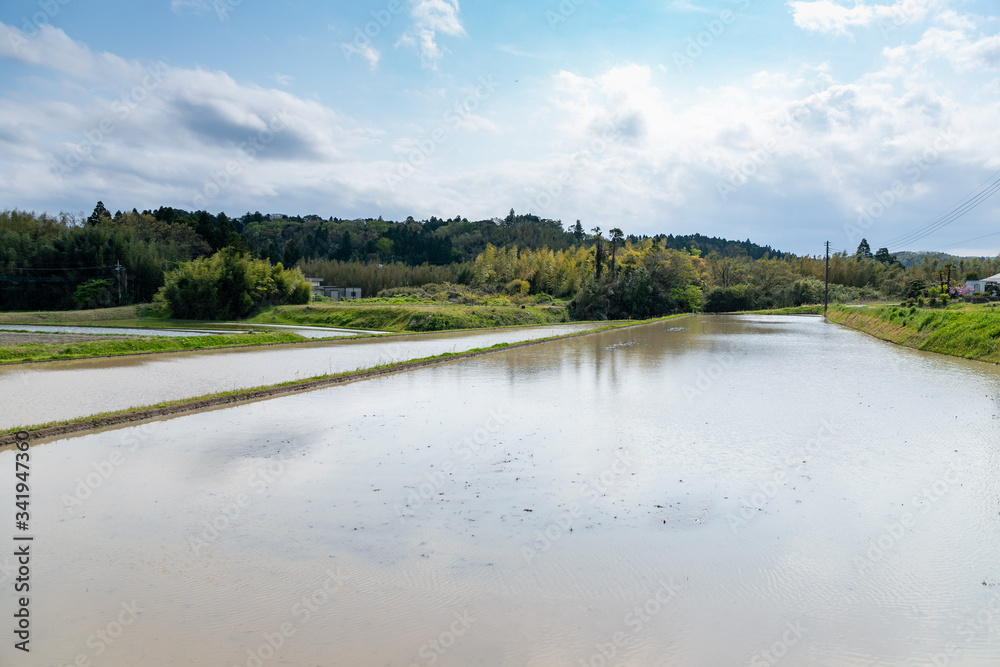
[[715, 491], [41, 393]]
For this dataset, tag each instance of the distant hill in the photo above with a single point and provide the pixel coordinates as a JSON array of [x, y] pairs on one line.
[[722, 246], [908, 259]]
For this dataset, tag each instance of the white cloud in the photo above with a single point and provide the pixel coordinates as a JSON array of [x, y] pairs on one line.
[[283, 79], [52, 49], [832, 17], [151, 133], [431, 17], [363, 49], [956, 47]]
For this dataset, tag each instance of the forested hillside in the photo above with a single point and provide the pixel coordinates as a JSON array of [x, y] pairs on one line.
[[109, 259]]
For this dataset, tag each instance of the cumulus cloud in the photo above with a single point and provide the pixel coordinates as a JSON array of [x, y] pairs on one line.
[[153, 132], [829, 16], [958, 48], [431, 17], [50, 48]]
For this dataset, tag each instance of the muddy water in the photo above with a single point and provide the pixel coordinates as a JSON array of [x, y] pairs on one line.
[[40, 393], [717, 491]]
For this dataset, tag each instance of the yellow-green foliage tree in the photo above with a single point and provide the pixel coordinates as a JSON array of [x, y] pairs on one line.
[[560, 273], [230, 285]]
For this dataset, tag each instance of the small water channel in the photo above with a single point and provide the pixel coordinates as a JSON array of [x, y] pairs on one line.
[[711, 491]]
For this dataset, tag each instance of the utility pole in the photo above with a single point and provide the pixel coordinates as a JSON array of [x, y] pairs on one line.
[[826, 298], [118, 272]]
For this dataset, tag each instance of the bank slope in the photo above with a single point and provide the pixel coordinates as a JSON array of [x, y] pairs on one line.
[[415, 318], [970, 334]]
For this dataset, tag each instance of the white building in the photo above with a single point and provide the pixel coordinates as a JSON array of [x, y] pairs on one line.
[[980, 285], [335, 293]]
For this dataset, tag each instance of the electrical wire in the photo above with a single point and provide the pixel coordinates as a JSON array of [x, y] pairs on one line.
[[61, 268], [985, 236], [984, 191]]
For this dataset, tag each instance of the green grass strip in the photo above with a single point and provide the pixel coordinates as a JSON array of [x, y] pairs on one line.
[[34, 352], [969, 333]]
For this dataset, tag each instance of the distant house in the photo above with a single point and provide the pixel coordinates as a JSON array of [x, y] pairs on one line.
[[335, 293], [980, 285]]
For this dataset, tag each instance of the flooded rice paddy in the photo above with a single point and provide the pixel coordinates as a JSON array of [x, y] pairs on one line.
[[703, 492], [41, 393]]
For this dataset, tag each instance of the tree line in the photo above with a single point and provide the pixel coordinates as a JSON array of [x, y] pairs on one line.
[[62, 262]]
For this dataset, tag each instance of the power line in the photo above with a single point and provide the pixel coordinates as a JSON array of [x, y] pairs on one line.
[[980, 194], [985, 236], [973, 199], [61, 268]]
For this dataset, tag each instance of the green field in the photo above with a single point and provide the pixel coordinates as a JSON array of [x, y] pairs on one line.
[[966, 330], [124, 316], [12, 354]]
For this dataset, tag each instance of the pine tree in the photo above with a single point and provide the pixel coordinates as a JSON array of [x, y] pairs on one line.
[[99, 213], [864, 250]]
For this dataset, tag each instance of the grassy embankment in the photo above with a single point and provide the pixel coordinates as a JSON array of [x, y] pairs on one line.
[[383, 315], [967, 331], [123, 316]]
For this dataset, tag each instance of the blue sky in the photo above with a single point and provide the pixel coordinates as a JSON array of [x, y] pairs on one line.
[[786, 123]]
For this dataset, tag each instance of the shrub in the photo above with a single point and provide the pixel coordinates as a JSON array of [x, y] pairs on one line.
[[730, 299], [416, 292], [95, 294], [517, 287], [230, 285], [591, 302]]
